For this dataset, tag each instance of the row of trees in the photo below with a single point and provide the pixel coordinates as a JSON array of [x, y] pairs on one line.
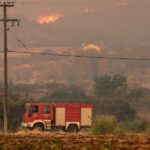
[[112, 96]]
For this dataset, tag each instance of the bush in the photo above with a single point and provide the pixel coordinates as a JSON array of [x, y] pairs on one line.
[[136, 126], [104, 124]]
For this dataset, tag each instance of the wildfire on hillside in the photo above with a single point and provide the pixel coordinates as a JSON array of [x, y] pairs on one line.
[[49, 18], [91, 47]]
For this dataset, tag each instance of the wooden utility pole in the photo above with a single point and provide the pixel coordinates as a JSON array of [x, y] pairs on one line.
[[5, 20]]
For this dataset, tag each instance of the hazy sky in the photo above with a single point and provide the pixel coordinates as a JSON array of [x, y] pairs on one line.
[[32, 8], [80, 22], [126, 19]]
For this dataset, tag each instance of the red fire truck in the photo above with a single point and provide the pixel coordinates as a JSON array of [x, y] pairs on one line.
[[66, 117]]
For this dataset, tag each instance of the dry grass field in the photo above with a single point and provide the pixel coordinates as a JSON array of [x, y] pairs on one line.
[[65, 141]]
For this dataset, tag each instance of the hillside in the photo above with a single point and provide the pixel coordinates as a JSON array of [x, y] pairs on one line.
[[28, 68]]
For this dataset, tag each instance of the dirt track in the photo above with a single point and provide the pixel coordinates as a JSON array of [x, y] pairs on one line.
[[60, 141]]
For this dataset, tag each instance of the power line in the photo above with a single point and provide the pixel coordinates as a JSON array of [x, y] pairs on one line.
[[66, 4], [78, 4], [70, 55], [81, 56], [18, 39], [70, 4]]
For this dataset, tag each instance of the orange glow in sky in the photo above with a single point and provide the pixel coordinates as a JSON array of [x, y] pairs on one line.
[[49, 18]]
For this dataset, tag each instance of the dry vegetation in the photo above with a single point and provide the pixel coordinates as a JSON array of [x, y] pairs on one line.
[[35, 140]]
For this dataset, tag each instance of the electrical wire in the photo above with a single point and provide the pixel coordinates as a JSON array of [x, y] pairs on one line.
[[80, 56], [70, 4], [76, 4], [18, 39], [70, 55], [66, 4]]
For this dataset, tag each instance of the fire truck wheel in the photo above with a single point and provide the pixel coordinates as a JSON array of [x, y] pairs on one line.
[[73, 128], [38, 127]]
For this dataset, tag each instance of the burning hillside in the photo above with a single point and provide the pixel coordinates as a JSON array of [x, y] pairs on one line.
[[49, 18]]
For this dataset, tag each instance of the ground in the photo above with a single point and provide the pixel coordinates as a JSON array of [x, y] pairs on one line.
[[80, 141]]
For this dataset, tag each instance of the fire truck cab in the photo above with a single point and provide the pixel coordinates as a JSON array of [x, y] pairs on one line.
[[66, 117]]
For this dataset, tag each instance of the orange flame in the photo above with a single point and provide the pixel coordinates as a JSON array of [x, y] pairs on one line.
[[49, 19], [89, 47]]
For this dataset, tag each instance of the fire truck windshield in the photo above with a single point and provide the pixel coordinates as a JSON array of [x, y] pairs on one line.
[[35, 109]]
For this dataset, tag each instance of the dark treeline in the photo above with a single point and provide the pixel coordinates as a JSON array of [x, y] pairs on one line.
[[112, 95]]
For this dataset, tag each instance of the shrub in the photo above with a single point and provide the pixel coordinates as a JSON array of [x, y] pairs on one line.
[[136, 125], [104, 124]]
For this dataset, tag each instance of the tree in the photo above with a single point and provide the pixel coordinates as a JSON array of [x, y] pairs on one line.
[[111, 93], [71, 91], [102, 86], [105, 86], [138, 94], [16, 104]]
